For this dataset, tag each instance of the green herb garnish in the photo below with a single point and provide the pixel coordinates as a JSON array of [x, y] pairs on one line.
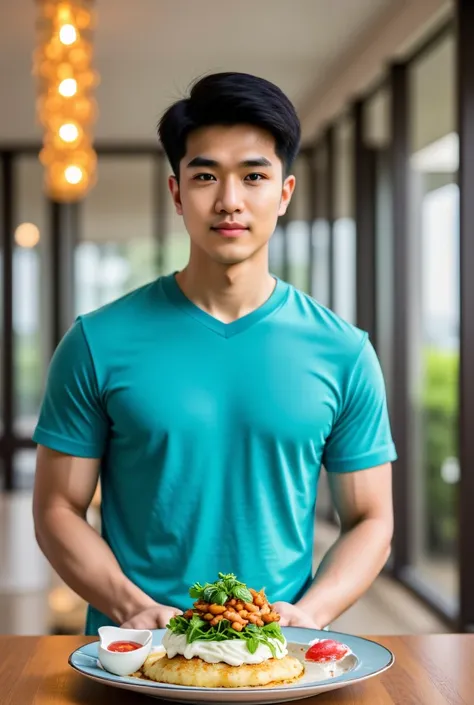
[[226, 588]]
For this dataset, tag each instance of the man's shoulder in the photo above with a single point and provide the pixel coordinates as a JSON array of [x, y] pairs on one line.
[[306, 313], [126, 310]]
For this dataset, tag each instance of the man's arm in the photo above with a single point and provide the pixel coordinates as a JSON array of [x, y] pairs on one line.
[[363, 500], [64, 487]]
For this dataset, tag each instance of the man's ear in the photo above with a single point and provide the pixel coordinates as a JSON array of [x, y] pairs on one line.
[[286, 194], [173, 186]]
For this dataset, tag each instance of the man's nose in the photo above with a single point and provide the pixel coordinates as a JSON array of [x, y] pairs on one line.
[[230, 197]]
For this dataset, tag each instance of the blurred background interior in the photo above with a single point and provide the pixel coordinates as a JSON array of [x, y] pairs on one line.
[[375, 232]]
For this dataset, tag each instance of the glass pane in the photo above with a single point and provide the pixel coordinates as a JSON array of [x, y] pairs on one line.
[[31, 277], [24, 465], [277, 251], [117, 251], [344, 232], [320, 276], [298, 229], [434, 283], [297, 232], [177, 239]]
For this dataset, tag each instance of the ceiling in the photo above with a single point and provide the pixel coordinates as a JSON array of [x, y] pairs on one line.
[[148, 51]]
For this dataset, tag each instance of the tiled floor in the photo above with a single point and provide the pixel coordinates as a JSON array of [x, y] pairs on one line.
[[27, 605]]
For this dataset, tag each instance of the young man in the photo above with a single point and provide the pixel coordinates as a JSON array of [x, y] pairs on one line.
[[208, 400]]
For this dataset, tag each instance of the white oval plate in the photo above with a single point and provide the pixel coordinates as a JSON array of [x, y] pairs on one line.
[[369, 659]]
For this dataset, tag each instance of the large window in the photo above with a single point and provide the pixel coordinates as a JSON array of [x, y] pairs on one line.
[[320, 274], [277, 252], [298, 228], [177, 242], [32, 342], [344, 229], [117, 251], [434, 311]]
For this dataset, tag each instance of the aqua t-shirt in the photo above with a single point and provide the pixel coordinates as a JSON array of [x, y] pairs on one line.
[[212, 435]]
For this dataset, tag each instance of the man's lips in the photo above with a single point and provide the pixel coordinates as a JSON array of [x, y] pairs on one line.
[[230, 230]]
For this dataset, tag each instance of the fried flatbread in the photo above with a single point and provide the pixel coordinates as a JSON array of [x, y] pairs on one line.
[[198, 673]]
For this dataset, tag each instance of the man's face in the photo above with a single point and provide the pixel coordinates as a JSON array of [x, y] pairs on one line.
[[231, 191]]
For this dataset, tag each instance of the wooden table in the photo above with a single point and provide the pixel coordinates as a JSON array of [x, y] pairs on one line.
[[429, 670]]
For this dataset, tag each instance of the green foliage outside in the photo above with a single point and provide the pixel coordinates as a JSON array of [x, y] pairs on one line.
[[28, 374], [440, 441]]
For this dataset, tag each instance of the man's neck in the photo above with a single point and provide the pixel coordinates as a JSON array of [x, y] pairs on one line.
[[227, 292]]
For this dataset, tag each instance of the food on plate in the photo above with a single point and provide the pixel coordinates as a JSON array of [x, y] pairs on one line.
[[327, 650], [229, 639]]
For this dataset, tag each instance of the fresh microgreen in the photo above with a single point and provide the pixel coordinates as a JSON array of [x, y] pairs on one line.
[[252, 644], [226, 588]]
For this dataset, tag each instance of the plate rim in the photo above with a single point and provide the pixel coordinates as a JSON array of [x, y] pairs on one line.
[[138, 682]]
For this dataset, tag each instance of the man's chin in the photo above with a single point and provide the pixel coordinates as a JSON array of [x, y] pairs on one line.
[[236, 252], [230, 258]]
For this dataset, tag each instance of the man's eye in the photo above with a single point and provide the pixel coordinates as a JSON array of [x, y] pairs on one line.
[[204, 177], [255, 177]]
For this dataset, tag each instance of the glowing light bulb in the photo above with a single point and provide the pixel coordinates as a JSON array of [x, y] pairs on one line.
[[27, 235], [68, 87], [68, 132], [73, 174], [64, 14], [67, 34]]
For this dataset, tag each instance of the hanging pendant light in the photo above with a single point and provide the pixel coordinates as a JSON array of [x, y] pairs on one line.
[[66, 107]]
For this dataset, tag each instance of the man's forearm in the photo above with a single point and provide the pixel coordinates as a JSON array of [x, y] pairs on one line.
[[347, 571], [85, 562]]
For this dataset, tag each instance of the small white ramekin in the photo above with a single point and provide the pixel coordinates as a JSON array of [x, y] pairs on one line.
[[127, 662]]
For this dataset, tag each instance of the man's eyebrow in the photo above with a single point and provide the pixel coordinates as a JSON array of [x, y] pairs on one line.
[[202, 161], [212, 163], [259, 161]]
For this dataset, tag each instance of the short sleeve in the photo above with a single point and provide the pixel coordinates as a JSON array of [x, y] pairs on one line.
[[72, 419], [361, 437]]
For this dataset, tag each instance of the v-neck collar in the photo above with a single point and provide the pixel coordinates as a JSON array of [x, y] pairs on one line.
[[226, 330]]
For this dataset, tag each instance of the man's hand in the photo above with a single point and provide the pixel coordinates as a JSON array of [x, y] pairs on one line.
[[292, 616], [156, 617]]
